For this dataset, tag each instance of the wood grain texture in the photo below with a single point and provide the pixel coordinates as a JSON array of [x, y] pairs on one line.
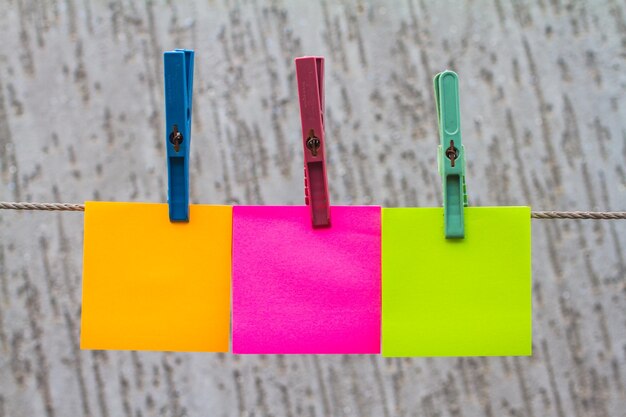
[[543, 108]]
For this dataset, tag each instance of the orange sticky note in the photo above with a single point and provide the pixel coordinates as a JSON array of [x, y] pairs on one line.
[[149, 284]]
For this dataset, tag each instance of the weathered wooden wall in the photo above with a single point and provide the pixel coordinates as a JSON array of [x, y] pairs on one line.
[[543, 104]]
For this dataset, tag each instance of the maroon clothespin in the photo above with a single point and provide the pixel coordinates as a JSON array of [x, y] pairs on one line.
[[310, 75]]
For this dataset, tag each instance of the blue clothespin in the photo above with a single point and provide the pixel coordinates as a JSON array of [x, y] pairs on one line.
[[451, 156], [178, 70]]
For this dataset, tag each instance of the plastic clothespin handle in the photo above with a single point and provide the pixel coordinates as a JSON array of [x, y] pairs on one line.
[[451, 155], [178, 72], [310, 76]]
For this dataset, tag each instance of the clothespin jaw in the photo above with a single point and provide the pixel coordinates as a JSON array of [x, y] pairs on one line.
[[178, 71], [451, 155], [310, 76]]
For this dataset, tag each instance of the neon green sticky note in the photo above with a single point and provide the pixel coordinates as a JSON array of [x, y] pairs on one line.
[[456, 297]]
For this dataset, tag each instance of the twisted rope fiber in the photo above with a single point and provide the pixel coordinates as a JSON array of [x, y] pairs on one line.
[[576, 215], [587, 215], [42, 206]]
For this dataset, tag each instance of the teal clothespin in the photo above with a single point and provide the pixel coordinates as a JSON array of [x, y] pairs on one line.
[[451, 156]]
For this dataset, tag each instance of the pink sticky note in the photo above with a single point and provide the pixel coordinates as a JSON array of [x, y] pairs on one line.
[[302, 290]]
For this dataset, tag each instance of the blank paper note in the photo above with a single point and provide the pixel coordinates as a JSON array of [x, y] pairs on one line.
[[149, 284], [297, 289], [457, 297]]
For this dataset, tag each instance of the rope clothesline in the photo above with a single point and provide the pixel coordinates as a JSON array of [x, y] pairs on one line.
[[576, 215], [5, 205]]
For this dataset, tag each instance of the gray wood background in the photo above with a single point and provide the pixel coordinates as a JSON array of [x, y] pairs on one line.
[[543, 106]]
